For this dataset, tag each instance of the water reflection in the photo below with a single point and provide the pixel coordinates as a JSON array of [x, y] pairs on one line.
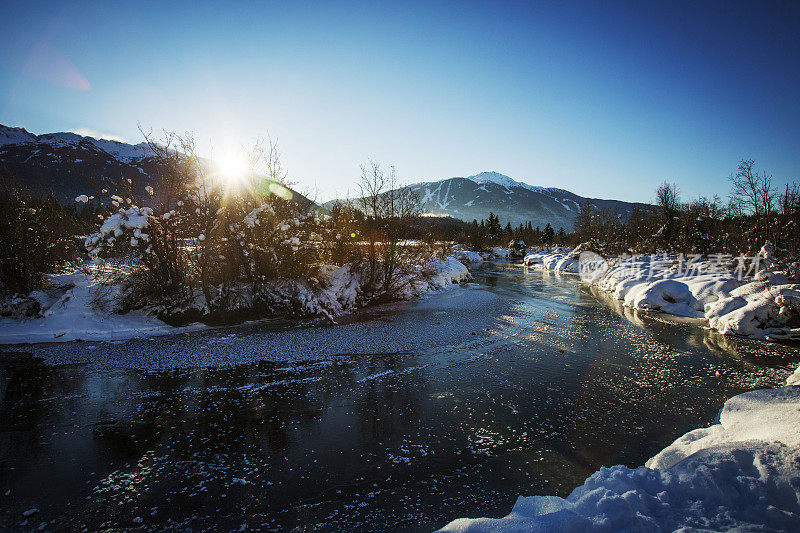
[[564, 383]]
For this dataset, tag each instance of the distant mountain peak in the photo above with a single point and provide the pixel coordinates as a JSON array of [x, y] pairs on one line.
[[493, 177], [502, 180]]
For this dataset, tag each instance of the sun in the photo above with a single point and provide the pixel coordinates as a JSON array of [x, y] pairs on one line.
[[232, 169]]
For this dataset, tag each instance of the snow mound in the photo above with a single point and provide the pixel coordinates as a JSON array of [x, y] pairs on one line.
[[501, 253], [666, 295], [468, 256], [471, 256], [756, 309], [763, 305], [446, 272], [557, 259], [741, 473], [761, 415]]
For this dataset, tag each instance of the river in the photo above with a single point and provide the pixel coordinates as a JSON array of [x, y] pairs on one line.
[[404, 418]]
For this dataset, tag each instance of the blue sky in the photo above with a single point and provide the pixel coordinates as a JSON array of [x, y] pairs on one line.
[[605, 99]]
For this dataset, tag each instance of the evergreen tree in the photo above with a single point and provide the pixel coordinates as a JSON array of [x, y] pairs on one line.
[[493, 228], [475, 235], [583, 220], [517, 236], [548, 235]]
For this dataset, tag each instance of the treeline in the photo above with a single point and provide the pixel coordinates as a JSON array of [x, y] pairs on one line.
[[490, 232], [189, 237], [754, 212]]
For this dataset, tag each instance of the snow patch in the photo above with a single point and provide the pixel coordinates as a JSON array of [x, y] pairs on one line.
[[78, 308]]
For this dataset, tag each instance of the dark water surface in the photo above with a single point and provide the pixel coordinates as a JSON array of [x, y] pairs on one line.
[[523, 382]]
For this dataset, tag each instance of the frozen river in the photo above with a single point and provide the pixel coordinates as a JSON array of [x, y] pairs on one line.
[[523, 382]]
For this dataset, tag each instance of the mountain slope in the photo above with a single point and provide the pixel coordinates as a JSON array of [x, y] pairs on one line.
[[475, 196], [66, 164]]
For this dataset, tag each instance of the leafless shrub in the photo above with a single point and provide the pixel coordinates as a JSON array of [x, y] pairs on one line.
[[36, 236]]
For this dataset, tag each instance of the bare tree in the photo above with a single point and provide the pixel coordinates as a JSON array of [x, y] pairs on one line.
[[752, 192], [789, 220], [388, 210], [372, 186], [668, 201]]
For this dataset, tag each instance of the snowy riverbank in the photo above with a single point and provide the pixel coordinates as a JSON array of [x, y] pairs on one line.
[[75, 307], [739, 473], [762, 303], [471, 256]]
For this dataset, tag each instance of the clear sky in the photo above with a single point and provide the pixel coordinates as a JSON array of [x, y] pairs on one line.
[[605, 99]]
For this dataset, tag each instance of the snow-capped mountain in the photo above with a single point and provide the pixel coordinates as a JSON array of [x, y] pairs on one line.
[[120, 150], [513, 201], [65, 163]]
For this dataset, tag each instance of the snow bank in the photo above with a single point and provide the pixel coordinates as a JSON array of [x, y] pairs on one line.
[[763, 305], [740, 473], [557, 259], [75, 307], [757, 309], [469, 256]]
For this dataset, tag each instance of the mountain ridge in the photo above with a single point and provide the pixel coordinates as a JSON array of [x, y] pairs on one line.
[[66, 162], [473, 197]]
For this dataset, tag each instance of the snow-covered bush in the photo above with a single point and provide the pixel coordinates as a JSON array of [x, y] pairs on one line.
[[198, 246], [280, 241], [345, 224]]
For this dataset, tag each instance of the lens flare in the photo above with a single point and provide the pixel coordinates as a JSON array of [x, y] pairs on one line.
[[279, 190]]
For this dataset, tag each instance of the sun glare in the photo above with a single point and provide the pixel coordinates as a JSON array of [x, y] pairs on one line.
[[232, 169]]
